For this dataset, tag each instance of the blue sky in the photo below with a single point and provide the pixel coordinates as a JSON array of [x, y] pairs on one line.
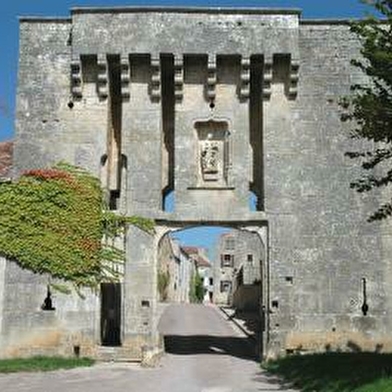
[[10, 11], [202, 236]]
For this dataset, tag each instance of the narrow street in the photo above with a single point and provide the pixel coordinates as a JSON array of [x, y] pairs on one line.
[[204, 353]]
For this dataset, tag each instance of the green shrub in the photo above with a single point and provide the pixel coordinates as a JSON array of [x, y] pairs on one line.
[[163, 284]]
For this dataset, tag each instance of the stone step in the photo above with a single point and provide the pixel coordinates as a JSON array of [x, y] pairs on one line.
[[116, 354]]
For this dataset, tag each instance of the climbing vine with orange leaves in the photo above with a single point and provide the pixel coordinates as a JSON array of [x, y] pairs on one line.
[[54, 221]]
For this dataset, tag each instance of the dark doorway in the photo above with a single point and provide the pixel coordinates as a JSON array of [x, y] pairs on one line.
[[111, 314]]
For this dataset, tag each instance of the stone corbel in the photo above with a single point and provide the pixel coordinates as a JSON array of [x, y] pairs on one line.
[[76, 78], [155, 90], [125, 77], [267, 77], [178, 77], [293, 83], [211, 78], [102, 77], [244, 91]]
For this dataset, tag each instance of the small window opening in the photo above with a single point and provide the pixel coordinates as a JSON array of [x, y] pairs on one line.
[[289, 279], [225, 286], [275, 304], [227, 260], [365, 306], [114, 198], [70, 104], [48, 304], [230, 244], [104, 159], [145, 304]]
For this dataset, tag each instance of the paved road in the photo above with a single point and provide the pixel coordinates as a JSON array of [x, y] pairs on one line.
[[205, 353]]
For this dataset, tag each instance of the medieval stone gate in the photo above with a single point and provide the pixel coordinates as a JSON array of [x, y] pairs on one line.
[[217, 106]]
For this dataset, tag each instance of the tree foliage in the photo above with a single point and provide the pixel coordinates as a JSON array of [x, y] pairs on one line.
[[196, 292], [163, 284], [370, 105], [54, 221]]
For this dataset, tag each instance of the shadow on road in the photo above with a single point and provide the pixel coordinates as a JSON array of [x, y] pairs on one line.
[[206, 344], [251, 320]]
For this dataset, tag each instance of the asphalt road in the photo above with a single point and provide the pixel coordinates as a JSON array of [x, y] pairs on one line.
[[204, 353]]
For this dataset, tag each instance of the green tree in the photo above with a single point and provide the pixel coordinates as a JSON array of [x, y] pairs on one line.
[[197, 288], [369, 107]]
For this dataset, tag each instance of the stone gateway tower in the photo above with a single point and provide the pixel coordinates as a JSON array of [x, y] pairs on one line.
[[234, 114]]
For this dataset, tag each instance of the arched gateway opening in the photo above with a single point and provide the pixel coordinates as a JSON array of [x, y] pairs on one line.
[[222, 267]]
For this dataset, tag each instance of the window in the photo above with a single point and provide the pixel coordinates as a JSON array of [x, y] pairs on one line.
[[225, 286], [114, 197], [227, 260], [230, 244], [211, 281], [250, 258]]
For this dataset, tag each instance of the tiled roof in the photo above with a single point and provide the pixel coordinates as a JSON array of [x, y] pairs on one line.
[[200, 259], [190, 250], [202, 262], [6, 149]]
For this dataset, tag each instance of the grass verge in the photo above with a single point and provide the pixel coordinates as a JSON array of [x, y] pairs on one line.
[[335, 372], [42, 364]]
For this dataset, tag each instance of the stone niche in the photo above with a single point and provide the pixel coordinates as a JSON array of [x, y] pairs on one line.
[[212, 153]]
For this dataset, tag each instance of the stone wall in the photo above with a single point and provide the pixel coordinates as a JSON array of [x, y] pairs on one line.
[[47, 129], [247, 254], [247, 298], [322, 250], [175, 266], [70, 328]]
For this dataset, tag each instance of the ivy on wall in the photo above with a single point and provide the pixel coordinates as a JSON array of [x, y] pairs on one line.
[[54, 221]]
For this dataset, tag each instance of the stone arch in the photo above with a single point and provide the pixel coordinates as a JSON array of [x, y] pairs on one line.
[[260, 228]]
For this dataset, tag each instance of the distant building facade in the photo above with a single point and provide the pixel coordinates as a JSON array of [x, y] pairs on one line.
[[237, 269], [175, 271]]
